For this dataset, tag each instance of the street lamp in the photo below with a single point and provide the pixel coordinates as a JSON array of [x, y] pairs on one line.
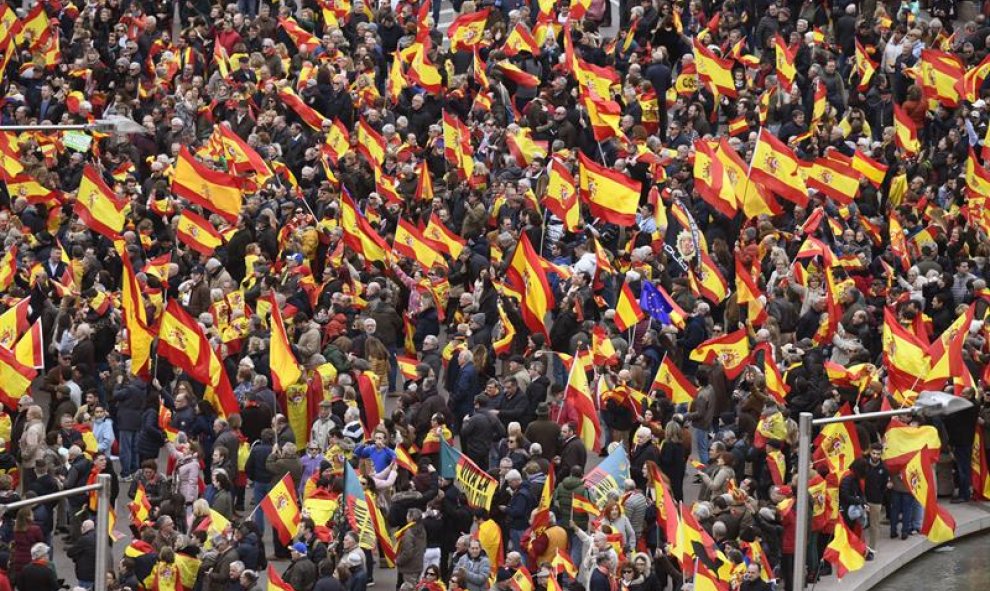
[[929, 403], [110, 124]]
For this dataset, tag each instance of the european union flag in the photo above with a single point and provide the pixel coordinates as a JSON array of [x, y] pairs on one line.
[[653, 303]]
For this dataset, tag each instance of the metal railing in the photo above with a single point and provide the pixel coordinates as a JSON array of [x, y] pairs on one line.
[[103, 507]]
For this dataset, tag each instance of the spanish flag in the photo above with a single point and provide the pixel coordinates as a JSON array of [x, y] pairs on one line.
[[919, 477], [30, 348], [358, 233], [846, 552], [503, 344], [709, 175], [707, 281], [410, 242], [98, 207], [833, 178], [10, 157], [15, 378], [706, 580], [307, 114], [437, 234], [737, 187], [370, 143], [140, 507], [139, 335], [874, 171], [611, 195], [520, 39], [284, 367], [526, 274], [582, 504], [338, 142], [468, 30], [938, 75], [979, 473], [423, 73], [747, 292], [521, 580], [197, 233], [731, 350], [775, 167], [561, 197], [969, 85], [594, 79], [714, 72], [785, 62], [865, 67], [300, 37], [628, 312], [182, 343], [577, 396], [518, 76], [905, 132], [8, 268], [902, 442], [275, 582], [407, 366], [524, 148], [902, 349], [692, 541], [673, 383], [604, 115], [281, 507], [217, 191], [838, 444]]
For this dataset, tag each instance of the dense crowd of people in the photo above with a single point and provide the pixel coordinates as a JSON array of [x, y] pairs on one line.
[[406, 196]]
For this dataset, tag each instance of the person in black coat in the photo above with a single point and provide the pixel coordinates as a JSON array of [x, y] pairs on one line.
[[515, 405], [479, 431], [851, 490], [600, 580], [38, 575], [643, 451], [151, 437], [83, 554], [128, 402], [961, 428], [572, 451]]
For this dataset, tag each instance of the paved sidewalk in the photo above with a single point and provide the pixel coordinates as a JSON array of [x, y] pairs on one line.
[[893, 554]]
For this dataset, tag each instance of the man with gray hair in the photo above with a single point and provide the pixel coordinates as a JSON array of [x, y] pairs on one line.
[[38, 574], [635, 503]]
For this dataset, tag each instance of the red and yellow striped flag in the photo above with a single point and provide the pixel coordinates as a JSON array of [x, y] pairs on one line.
[[284, 367], [97, 205], [197, 233], [281, 507], [217, 191], [846, 551]]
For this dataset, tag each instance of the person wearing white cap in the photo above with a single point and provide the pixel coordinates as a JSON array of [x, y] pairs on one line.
[[37, 575]]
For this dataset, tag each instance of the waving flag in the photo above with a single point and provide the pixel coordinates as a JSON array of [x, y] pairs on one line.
[[527, 276], [217, 191], [710, 176], [197, 233], [919, 478], [284, 367], [275, 582], [731, 350], [708, 281], [784, 62], [97, 205], [776, 167], [477, 485], [628, 312], [608, 476], [139, 336], [359, 235], [577, 396], [30, 348], [714, 72], [903, 350], [846, 552], [581, 504], [281, 507], [671, 381], [442, 238], [182, 343], [307, 114], [902, 442], [467, 30], [610, 194], [905, 132]]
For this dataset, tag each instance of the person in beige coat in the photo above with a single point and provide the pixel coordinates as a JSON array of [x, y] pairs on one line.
[[32, 444]]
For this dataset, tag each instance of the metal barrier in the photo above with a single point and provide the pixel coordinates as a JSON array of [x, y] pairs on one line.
[[103, 507]]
